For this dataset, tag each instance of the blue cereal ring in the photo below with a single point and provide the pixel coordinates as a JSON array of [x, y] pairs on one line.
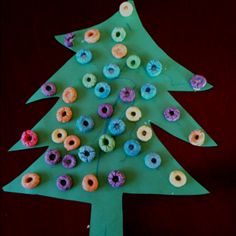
[[102, 90], [111, 71], [86, 153], [132, 147], [152, 160], [84, 124], [154, 68], [148, 91], [84, 56], [116, 127]]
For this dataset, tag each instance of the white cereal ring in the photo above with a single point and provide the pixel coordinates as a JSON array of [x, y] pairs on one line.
[[177, 178], [133, 114], [144, 133], [126, 9], [197, 137]]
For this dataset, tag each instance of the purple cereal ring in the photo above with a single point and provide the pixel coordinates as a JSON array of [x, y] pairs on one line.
[[127, 94], [52, 157], [198, 82], [48, 89], [69, 161], [105, 110], [68, 40], [172, 114], [64, 182], [116, 178], [29, 138]]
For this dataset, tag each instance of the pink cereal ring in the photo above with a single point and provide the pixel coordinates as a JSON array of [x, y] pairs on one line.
[[71, 142], [30, 180], [29, 138], [92, 36], [69, 95], [64, 114]]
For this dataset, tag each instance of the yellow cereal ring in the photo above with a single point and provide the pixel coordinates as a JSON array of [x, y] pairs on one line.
[[59, 135], [119, 51], [92, 36], [177, 178], [69, 95], [197, 137], [30, 180], [71, 142], [64, 114], [144, 133], [133, 114], [90, 183]]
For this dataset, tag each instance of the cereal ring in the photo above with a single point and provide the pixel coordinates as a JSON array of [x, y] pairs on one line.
[[59, 135], [152, 160], [119, 51], [126, 9], [111, 71], [177, 178], [133, 114], [133, 62], [90, 183], [116, 178], [148, 91], [69, 161], [52, 157], [198, 82], [64, 114], [105, 110], [144, 133], [86, 153], [69, 95], [118, 34], [197, 137], [71, 142], [29, 138], [30, 180], [153, 68], [89, 80], [84, 56], [68, 40], [85, 124], [172, 114], [92, 36], [64, 182], [116, 127], [48, 89], [127, 95], [102, 90], [132, 148], [106, 143]]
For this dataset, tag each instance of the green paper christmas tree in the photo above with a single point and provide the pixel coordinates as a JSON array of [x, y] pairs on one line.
[[106, 215]]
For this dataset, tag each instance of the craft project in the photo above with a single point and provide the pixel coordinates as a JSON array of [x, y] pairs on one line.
[[99, 135]]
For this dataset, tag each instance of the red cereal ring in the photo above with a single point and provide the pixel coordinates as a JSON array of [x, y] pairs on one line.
[[69, 95], [64, 114], [30, 180], [71, 142], [29, 138]]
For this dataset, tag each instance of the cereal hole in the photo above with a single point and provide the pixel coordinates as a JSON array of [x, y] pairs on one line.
[[101, 90], [105, 141], [133, 113], [85, 123], [63, 113], [48, 88], [28, 180], [131, 147], [196, 137], [72, 142], [68, 161], [153, 160], [133, 62], [118, 34], [29, 138], [177, 177], [90, 34], [59, 135], [88, 79], [104, 110], [153, 67], [63, 182], [86, 153], [148, 90], [115, 179], [171, 113], [111, 70], [144, 133], [52, 157], [90, 182]]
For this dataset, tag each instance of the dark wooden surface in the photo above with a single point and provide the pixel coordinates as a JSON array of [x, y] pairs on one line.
[[199, 35]]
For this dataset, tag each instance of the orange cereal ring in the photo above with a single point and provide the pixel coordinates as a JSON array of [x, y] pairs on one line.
[[90, 183], [71, 142], [92, 36], [30, 180], [64, 114], [119, 51], [69, 95], [197, 137]]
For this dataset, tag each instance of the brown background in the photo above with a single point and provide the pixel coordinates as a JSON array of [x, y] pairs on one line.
[[199, 35]]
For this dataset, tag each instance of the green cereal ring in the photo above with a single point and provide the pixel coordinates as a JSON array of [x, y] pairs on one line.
[[118, 34], [106, 143], [133, 62], [89, 80]]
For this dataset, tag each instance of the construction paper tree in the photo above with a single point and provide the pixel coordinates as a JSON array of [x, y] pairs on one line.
[[151, 170]]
